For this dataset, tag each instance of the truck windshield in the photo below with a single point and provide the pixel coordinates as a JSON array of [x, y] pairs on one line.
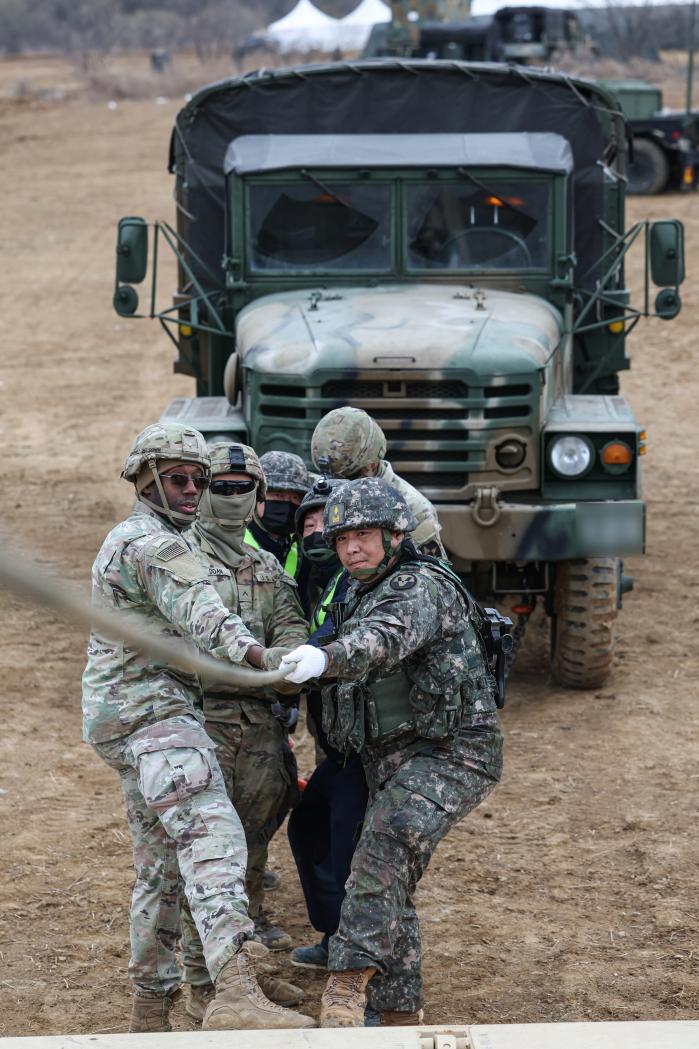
[[462, 226], [335, 226]]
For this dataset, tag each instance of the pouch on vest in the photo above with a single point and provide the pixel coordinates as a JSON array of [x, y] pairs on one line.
[[436, 716], [389, 713], [343, 716]]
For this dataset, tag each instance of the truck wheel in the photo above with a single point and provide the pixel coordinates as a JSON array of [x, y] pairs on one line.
[[650, 170], [583, 624]]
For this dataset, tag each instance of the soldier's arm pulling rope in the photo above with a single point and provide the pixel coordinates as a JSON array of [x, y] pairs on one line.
[[29, 581]]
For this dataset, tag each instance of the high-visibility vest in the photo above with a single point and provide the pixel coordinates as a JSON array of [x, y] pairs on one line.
[[291, 563], [321, 609]]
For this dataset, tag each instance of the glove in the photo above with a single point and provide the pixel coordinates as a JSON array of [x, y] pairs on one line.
[[303, 663], [271, 657]]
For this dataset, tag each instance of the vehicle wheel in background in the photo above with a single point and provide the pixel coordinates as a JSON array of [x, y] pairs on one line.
[[583, 625], [650, 170]]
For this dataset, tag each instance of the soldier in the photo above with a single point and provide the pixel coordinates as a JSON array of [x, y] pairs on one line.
[[323, 827], [350, 444], [142, 718], [247, 726], [272, 527], [415, 697]]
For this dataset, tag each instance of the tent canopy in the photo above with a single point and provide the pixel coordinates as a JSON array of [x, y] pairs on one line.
[[357, 25], [305, 28]]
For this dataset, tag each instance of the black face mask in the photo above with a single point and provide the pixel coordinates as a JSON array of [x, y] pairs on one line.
[[316, 549], [278, 517]]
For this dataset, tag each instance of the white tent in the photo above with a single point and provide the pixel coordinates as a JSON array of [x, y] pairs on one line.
[[305, 28], [356, 26]]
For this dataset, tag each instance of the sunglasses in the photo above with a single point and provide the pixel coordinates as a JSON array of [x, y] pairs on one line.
[[232, 487], [182, 480]]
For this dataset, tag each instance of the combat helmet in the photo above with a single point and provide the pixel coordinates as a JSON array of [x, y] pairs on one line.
[[368, 502], [346, 440], [238, 458], [164, 443], [285, 472], [314, 499]]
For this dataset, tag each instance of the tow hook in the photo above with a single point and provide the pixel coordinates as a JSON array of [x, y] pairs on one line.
[[486, 508]]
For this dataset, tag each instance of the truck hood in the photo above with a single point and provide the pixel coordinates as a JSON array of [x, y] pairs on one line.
[[398, 326]]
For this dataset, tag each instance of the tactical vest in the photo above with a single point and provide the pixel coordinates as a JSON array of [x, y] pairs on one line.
[[399, 706], [291, 563]]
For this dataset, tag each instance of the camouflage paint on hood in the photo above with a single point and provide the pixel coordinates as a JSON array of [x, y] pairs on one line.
[[427, 325]]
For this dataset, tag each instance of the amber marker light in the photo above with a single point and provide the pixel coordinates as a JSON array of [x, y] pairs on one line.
[[616, 456], [185, 331], [616, 327], [688, 175], [642, 443]]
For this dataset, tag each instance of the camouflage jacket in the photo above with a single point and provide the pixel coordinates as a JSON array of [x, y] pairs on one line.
[[415, 620], [146, 568], [265, 598], [428, 526]]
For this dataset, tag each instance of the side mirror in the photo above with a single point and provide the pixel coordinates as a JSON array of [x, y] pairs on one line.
[[132, 250], [667, 253]]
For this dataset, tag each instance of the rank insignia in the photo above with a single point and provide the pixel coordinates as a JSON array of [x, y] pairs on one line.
[[336, 513]]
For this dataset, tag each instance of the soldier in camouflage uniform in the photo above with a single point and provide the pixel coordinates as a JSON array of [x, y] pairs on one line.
[[272, 526], [247, 726], [414, 695], [349, 443], [144, 719]]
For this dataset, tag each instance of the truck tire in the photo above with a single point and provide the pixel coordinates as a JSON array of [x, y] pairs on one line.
[[583, 625], [650, 169]]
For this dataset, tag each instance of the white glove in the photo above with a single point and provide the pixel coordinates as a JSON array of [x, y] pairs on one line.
[[303, 663]]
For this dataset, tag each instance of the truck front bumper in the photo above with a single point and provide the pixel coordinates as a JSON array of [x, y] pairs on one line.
[[536, 532]]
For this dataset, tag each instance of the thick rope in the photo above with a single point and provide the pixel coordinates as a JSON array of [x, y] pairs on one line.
[[31, 582]]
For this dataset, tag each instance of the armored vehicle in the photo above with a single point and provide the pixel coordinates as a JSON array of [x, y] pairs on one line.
[[443, 245]]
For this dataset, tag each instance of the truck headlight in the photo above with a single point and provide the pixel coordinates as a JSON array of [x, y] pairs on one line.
[[570, 456]]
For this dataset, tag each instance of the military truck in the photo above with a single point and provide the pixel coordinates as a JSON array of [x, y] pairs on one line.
[[443, 245], [665, 142], [512, 34]]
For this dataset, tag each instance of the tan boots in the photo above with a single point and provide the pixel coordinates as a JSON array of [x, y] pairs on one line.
[[344, 999], [240, 1004], [278, 991], [151, 1014]]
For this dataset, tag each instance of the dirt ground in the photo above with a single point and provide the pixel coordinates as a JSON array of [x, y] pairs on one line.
[[570, 895]]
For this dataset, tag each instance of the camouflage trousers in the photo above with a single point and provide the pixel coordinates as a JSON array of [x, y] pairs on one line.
[[185, 831], [259, 771], [406, 819]]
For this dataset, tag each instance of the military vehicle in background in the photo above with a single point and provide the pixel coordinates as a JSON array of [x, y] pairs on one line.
[[358, 234], [512, 34], [665, 143]]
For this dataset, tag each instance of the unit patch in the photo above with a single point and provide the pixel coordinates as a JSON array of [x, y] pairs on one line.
[[403, 581]]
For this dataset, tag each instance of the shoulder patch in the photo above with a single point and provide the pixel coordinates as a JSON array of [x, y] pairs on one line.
[[171, 549], [403, 581]]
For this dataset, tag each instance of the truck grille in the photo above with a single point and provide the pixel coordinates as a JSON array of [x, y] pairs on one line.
[[437, 429]]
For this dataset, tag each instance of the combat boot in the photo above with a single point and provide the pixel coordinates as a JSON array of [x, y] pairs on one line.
[[392, 1018], [278, 991], [240, 1005], [197, 1001], [271, 936], [151, 1014], [344, 1001]]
